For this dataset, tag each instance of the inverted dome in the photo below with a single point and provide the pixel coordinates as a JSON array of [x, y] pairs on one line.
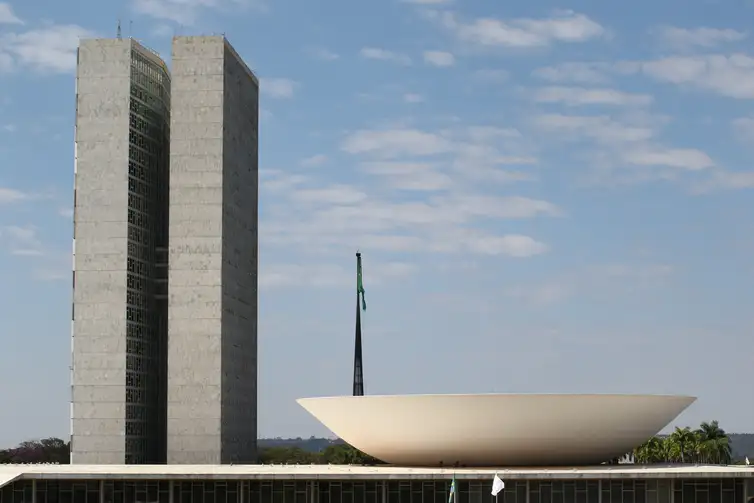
[[496, 429]]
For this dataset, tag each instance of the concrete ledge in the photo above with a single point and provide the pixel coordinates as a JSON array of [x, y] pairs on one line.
[[9, 473]]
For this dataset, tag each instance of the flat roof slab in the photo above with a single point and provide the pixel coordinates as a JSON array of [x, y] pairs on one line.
[[350, 472]]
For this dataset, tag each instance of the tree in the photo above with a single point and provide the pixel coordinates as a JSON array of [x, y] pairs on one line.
[[287, 456], [345, 454], [334, 454], [684, 445], [48, 450], [707, 444], [713, 443], [653, 450]]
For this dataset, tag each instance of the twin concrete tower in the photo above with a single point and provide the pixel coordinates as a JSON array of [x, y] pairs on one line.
[[165, 255]]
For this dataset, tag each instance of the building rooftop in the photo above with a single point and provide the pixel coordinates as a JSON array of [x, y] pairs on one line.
[[9, 473]]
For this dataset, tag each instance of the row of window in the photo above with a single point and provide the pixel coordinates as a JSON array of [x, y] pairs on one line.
[[135, 154], [144, 65], [139, 202], [138, 332], [138, 187], [137, 299], [138, 267], [144, 126], [147, 74], [148, 98], [136, 452], [142, 110], [148, 145], [146, 173], [150, 86], [140, 236], [137, 347], [392, 491]]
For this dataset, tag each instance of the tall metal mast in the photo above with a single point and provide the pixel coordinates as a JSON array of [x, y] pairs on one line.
[[358, 363]]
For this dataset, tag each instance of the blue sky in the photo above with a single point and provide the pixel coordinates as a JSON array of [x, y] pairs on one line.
[[549, 197]]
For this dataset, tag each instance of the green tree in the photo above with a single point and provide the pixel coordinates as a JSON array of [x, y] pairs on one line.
[[344, 454], [707, 444], [683, 445], [287, 456], [714, 444], [653, 450]]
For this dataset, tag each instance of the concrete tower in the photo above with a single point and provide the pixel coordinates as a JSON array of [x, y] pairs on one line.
[[212, 325], [119, 343]]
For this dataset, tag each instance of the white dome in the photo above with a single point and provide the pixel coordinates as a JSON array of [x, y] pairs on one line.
[[496, 430]]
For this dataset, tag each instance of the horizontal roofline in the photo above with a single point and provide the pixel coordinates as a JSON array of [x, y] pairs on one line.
[[8, 473]]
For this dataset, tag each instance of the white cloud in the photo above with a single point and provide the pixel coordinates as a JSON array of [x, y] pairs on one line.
[[601, 128], [66, 212], [8, 196], [594, 280], [21, 241], [731, 76], [384, 55], [413, 98], [475, 152], [614, 147], [278, 88], [690, 38], [684, 158], [428, 2], [436, 204], [513, 245], [50, 49], [419, 176], [564, 26], [336, 195], [439, 58], [323, 54], [337, 216], [574, 72], [187, 12], [314, 161], [578, 96], [7, 16], [725, 180], [395, 142], [318, 275]]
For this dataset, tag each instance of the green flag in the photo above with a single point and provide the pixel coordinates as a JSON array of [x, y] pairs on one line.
[[360, 283]]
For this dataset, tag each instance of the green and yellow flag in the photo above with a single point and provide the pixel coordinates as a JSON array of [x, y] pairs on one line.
[[360, 283]]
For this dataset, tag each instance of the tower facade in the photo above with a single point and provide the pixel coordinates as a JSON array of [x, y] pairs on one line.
[[212, 321], [119, 340]]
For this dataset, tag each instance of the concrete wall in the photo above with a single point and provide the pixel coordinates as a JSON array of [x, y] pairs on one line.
[[212, 314], [100, 247], [239, 266]]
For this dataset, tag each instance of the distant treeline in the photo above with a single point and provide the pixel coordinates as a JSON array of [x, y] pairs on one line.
[[742, 444], [285, 450]]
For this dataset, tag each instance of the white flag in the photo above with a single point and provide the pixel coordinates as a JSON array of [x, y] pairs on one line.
[[497, 485], [747, 461]]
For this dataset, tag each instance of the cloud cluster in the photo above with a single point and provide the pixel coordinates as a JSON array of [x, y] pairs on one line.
[[47, 49], [632, 137], [187, 12], [561, 27], [684, 39], [21, 241], [278, 87], [420, 191], [385, 55]]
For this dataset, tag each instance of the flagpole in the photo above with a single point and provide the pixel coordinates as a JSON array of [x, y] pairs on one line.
[[358, 361]]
